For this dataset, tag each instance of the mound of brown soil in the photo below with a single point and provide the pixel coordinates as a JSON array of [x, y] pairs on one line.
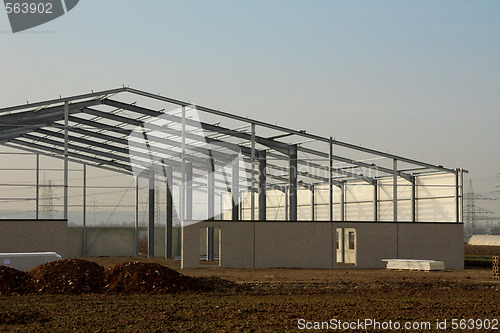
[[12, 281], [67, 276], [146, 278]]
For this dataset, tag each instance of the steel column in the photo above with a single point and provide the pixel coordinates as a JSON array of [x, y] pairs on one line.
[[252, 194], [342, 201], [151, 220], [211, 210], [235, 188], [461, 179], [375, 201], [342, 245], [330, 179], [312, 203], [395, 190], [183, 170], [221, 196], [136, 224], [287, 205], [37, 186], [292, 150], [66, 115], [413, 200], [457, 196], [170, 213], [84, 229], [262, 186], [189, 191], [179, 229]]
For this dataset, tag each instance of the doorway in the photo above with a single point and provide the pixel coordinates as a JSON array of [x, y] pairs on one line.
[[346, 246]]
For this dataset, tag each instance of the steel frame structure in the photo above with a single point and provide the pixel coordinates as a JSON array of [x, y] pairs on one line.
[[92, 129]]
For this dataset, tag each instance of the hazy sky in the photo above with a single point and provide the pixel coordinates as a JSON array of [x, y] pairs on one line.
[[416, 78]]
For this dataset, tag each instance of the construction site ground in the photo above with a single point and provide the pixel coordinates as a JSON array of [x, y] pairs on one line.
[[229, 300]]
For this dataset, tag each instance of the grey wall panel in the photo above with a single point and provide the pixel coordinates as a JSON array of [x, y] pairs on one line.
[[293, 244], [436, 241], [34, 236], [114, 241]]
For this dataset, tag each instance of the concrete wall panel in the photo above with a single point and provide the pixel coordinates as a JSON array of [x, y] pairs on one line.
[[436, 241], [293, 244], [34, 236]]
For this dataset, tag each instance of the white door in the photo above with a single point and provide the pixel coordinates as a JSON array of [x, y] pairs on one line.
[[346, 246]]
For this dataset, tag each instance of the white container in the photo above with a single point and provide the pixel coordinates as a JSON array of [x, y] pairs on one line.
[[26, 261]]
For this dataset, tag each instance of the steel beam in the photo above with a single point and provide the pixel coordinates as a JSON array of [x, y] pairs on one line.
[[77, 158], [353, 162], [276, 145], [166, 141], [34, 117], [97, 96], [101, 153]]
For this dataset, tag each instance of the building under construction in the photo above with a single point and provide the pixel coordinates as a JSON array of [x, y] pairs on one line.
[[232, 188]]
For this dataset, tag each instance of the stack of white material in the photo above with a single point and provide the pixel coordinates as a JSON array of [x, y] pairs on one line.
[[26, 261], [413, 264]]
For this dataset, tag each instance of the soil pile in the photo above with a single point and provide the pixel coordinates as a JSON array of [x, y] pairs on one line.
[[146, 278], [78, 276], [67, 276], [12, 281]]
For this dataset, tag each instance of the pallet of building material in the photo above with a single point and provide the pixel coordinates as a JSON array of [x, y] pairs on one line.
[[496, 272], [414, 264], [26, 261]]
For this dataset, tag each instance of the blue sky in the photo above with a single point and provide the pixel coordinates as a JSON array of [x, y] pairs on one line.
[[415, 78]]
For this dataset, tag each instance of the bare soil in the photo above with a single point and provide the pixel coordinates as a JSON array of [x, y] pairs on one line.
[[475, 250], [230, 300]]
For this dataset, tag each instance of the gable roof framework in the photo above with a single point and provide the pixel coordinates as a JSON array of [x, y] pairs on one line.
[[99, 124]]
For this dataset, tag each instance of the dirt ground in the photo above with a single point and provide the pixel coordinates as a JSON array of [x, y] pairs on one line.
[[272, 300], [481, 250]]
